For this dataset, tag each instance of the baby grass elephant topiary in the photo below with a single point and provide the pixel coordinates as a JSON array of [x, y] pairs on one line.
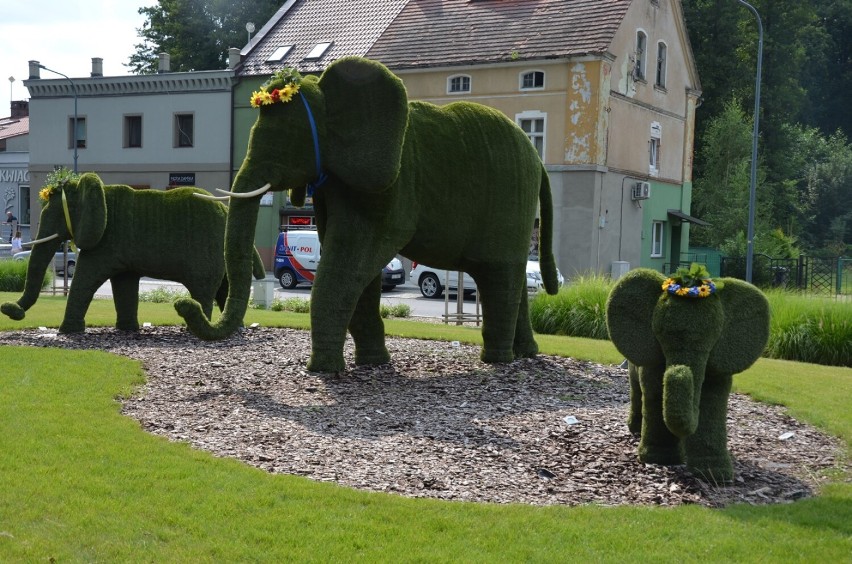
[[685, 337], [124, 234]]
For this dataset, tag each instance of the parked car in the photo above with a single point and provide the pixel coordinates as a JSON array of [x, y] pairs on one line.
[[58, 260], [433, 281], [297, 255]]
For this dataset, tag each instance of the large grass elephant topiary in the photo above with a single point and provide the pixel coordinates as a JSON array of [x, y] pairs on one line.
[[124, 234], [456, 187], [685, 337]]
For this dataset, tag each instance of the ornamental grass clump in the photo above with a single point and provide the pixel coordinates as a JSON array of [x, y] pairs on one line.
[[13, 276], [578, 310]]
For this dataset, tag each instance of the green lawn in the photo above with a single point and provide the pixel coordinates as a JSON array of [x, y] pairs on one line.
[[80, 482]]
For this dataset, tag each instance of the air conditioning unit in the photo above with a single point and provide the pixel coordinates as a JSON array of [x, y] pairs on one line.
[[641, 190]]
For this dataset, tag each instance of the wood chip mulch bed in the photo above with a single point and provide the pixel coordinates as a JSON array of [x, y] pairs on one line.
[[439, 423]]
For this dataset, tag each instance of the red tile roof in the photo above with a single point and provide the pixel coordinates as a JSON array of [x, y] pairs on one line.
[[430, 33], [353, 26], [13, 127]]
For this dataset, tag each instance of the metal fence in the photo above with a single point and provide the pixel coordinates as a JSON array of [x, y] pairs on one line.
[[827, 276]]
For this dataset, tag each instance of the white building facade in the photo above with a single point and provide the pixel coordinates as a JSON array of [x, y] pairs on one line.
[[147, 131]]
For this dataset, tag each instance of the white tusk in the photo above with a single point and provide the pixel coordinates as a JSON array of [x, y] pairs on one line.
[[257, 192], [211, 197], [42, 240]]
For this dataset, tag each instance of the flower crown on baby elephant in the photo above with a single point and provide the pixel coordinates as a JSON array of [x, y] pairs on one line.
[[692, 282], [287, 81]]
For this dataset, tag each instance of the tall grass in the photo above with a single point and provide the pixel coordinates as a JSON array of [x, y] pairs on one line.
[[808, 328], [13, 275], [578, 310]]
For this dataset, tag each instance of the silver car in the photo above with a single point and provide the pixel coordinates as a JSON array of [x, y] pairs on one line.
[[58, 260]]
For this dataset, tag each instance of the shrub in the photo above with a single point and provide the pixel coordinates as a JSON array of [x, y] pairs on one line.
[[396, 310], [296, 305], [578, 310], [13, 275], [809, 328], [162, 295]]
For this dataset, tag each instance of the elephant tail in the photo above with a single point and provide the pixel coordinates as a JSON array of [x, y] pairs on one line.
[[545, 250], [258, 270]]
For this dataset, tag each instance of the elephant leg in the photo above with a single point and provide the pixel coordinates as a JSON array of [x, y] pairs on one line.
[[332, 309], [367, 327], [125, 296], [657, 445], [525, 345], [79, 298], [500, 290], [634, 418], [707, 449]]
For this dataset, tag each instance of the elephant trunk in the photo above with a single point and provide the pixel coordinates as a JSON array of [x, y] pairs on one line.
[[681, 398], [239, 267], [40, 259]]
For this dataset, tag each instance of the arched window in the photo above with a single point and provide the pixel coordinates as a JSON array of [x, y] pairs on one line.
[[458, 84], [532, 80], [661, 65], [641, 51]]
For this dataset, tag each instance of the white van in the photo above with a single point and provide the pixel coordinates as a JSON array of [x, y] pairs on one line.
[[297, 255]]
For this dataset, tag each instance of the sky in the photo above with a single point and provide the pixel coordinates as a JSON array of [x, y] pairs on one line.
[[64, 35]]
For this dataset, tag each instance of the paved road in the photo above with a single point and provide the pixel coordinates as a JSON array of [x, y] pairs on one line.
[[405, 293]]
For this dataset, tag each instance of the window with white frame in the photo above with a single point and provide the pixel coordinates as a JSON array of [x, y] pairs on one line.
[[458, 84], [661, 65], [658, 230], [77, 135], [641, 51], [532, 80], [654, 146], [533, 123]]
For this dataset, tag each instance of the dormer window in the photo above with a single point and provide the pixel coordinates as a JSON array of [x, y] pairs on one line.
[[532, 80], [279, 54], [318, 51], [459, 84]]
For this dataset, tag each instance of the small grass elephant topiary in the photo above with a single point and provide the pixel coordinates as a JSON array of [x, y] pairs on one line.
[[685, 337], [124, 234]]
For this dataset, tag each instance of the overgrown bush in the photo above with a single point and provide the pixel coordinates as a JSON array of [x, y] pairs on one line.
[[808, 328], [578, 310], [396, 310], [13, 275]]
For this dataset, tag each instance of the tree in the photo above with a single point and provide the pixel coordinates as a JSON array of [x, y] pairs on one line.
[[721, 191], [196, 33]]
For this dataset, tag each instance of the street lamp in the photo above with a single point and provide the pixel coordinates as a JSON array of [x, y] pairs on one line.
[[753, 182], [74, 135], [250, 29], [11, 80]]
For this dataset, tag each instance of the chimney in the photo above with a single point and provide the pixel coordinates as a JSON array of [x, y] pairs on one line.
[[97, 66], [233, 57], [20, 109], [165, 63], [35, 71]]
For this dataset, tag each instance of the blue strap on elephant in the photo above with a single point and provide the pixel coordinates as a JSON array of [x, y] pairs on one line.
[[321, 176]]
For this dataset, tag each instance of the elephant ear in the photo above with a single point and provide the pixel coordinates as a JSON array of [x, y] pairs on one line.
[[91, 215], [746, 328], [366, 118], [629, 310]]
